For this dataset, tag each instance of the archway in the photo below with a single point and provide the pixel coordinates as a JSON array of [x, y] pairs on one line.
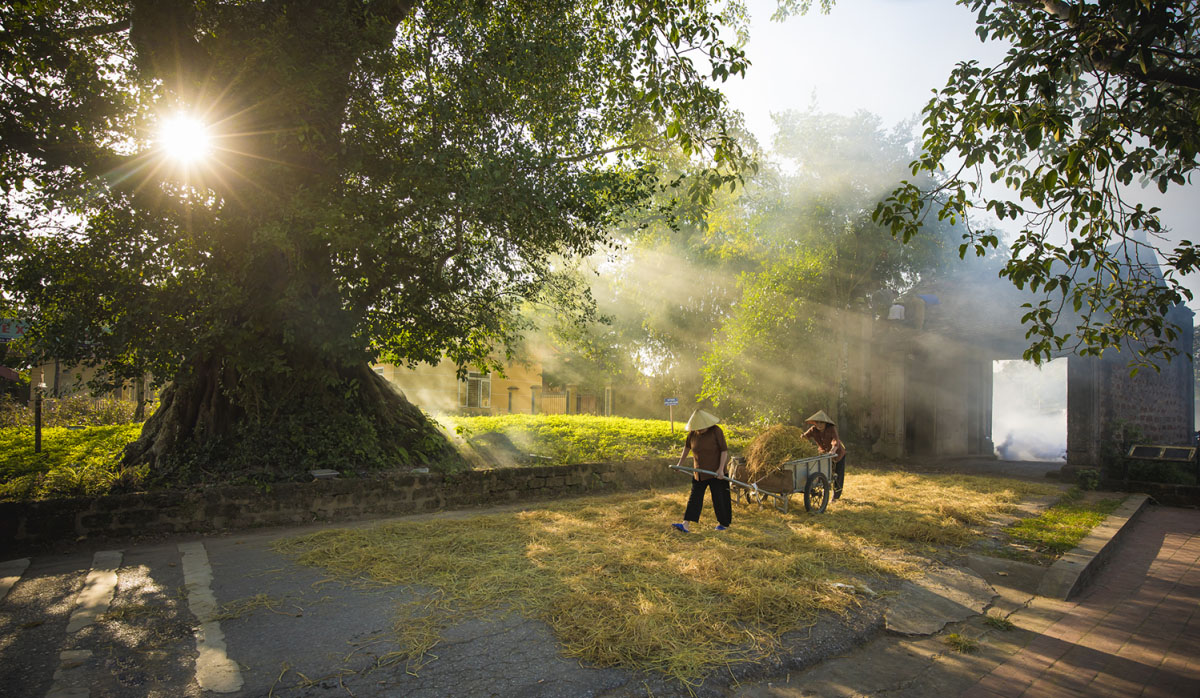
[[1029, 410]]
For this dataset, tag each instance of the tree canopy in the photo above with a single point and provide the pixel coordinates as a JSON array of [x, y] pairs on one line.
[[742, 304], [1092, 99], [387, 180]]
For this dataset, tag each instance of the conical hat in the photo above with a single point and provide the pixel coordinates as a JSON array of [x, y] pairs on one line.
[[700, 420], [820, 416]]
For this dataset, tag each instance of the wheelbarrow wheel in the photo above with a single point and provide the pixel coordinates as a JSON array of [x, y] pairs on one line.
[[816, 493]]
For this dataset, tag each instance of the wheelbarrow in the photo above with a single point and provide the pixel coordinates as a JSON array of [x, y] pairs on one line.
[[813, 477]]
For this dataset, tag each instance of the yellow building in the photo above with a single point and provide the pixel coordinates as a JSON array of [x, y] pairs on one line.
[[438, 388]]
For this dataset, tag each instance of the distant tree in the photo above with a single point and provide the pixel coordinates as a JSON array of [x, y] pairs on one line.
[[1092, 98], [390, 180], [813, 259]]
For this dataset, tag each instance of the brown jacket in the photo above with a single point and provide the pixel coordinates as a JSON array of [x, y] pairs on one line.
[[706, 450], [827, 440]]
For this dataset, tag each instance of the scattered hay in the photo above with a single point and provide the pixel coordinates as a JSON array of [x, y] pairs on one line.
[[772, 448], [620, 588], [240, 607]]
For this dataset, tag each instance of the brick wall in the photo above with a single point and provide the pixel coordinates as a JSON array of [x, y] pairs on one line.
[[1157, 402], [25, 525]]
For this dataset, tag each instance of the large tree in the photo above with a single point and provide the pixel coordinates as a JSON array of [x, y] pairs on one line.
[[388, 181], [813, 261], [1091, 100]]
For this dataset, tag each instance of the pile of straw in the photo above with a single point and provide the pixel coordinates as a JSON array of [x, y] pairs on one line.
[[772, 448]]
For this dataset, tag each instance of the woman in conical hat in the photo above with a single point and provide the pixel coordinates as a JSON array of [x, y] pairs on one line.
[[706, 442], [823, 433]]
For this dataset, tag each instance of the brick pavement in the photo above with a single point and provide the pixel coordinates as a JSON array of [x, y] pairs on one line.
[[1135, 632]]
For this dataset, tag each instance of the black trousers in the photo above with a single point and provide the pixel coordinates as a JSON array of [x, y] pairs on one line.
[[839, 477], [722, 504]]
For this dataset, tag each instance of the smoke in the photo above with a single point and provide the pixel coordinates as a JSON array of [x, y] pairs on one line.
[[1029, 410]]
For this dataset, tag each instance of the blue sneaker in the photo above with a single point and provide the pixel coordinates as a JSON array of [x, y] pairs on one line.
[[680, 527], [722, 528]]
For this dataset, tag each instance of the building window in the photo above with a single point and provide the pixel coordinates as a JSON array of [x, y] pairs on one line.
[[476, 390]]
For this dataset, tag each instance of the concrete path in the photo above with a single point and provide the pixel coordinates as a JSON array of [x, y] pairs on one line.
[[290, 632], [1134, 632]]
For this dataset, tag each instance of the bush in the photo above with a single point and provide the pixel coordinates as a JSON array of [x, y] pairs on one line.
[[76, 410], [73, 462], [1088, 479], [1171, 473]]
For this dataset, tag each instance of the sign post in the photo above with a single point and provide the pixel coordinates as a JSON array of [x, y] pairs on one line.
[[670, 402]]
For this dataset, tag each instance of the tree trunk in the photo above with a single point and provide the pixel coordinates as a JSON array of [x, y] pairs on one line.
[[214, 426]]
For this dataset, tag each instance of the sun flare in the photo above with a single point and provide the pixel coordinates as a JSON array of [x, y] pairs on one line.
[[184, 139]]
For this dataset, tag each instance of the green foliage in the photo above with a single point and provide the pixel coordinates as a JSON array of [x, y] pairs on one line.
[[1160, 471], [1088, 479], [811, 259], [405, 190], [1061, 527], [998, 622], [1116, 464], [589, 439], [961, 643], [1090, 99], [77, 462], [73, 462], [1115, 445], [76, 410]]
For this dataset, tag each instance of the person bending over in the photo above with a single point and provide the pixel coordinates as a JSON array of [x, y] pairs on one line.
[[823, 433]]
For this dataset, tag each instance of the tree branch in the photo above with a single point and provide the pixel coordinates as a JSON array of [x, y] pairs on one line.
[[99, 29], [1112, 54]]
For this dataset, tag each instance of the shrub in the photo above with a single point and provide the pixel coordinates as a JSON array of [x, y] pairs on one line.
[[1172, 473], [1088, 479], [76, 410], [73, 462]]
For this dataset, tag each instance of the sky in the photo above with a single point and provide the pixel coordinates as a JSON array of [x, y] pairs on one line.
[[886, 57]]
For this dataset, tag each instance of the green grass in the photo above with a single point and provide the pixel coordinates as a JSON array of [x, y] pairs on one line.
[[578, 438], [998, 622], [85, 462], [961, 643], [73, 462], [1061, 527]]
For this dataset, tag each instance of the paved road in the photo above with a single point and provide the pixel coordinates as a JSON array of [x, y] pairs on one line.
[[228, 616], [143, 620]]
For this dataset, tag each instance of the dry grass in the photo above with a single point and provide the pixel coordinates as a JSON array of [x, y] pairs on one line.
[[620, 588]]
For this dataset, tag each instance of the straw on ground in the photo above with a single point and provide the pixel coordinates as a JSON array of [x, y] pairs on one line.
[[620, 588]]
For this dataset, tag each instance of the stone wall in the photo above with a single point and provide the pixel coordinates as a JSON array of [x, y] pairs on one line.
[[1156, 402], [1166, 494], [27, 525], [1101, 392]]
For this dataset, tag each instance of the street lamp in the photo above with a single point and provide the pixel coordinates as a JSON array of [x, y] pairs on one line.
[[37, 416]]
